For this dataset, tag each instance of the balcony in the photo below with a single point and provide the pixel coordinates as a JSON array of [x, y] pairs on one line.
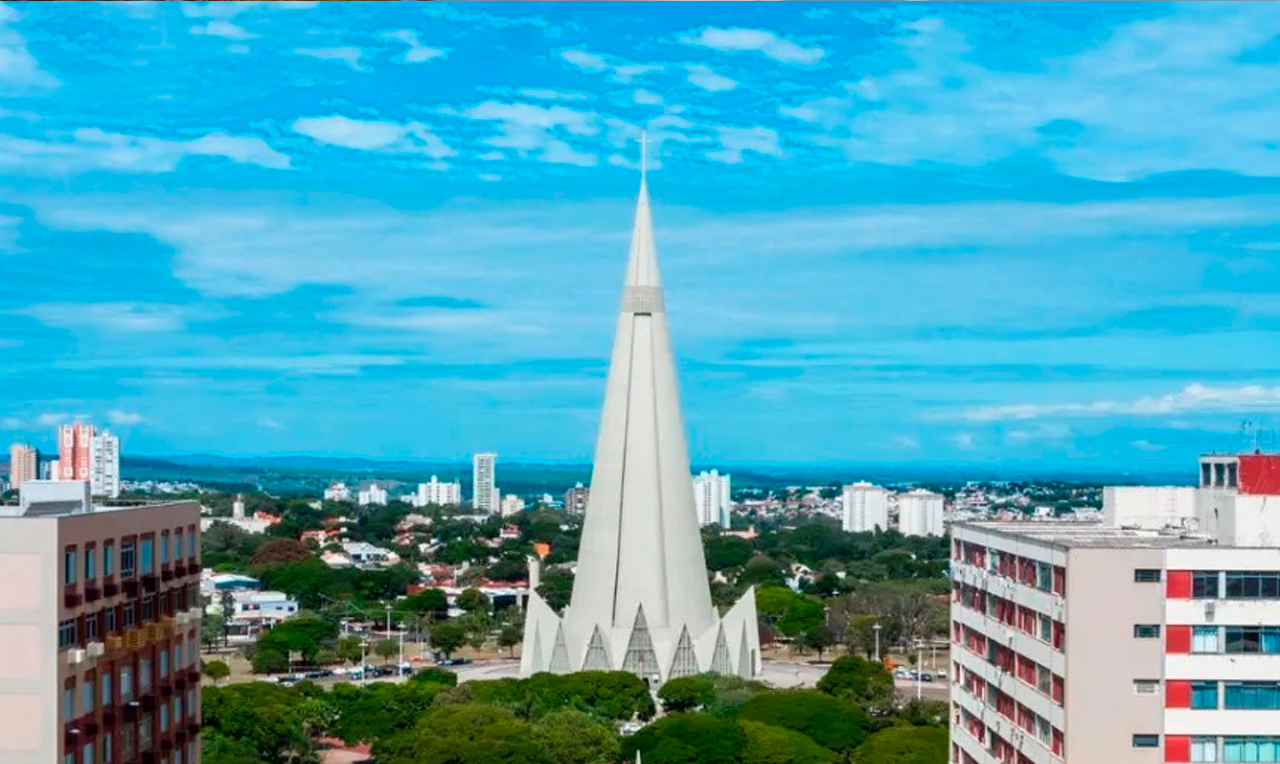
[[110, 589], [179, 570], [72, 599], [180, 680], [149, 757], [71, 737], [149, 582], [132, 587], [166, 575], [166, 688], [193, 728], [108, 717], [92, 594], [91, 727], [147, 702], [193, 675]]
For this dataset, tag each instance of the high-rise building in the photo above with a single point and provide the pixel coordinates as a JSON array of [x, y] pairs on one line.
[[372, 494], [104, 465], [512, 505], [866, 507], [920, 513], [337, 491], [484, 490], [75, 451], [439, 494], [575, 499], [115, 592], [641, 601], [1151, 637], [24, 464], [711, 498]]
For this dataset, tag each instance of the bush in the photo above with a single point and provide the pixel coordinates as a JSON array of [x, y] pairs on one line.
[[270, 661], [688, 693], [831, 723]]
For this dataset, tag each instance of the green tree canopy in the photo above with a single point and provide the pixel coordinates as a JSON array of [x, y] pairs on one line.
[[767, 744], [688, 739], [305, 633], [467, 734], [829, 722], [687, 693], [905, 745], [859, 681], [577, 737]]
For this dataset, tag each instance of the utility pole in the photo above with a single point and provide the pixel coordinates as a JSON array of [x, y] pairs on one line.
[[876, 629], [919, 670]]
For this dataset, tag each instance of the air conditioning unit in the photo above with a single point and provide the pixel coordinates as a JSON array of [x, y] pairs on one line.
[[196, 613], [76, 656], [96, 649], [182, 617], [1210, 610]]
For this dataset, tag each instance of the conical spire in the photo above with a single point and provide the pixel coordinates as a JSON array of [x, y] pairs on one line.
[[641, 543]]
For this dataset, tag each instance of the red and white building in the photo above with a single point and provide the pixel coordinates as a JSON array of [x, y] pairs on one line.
[[1153, 636]]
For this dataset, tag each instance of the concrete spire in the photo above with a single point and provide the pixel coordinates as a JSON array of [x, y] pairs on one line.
[[641, 579]]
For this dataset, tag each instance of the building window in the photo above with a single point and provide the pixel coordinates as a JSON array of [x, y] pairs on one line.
[[1253, 585], [108, 567], [144, 676], [1240, 696], [111, 621], [87, 696], [164, 663], [91, 628], [1046, 628], [126, 684], [146, 555], [164, 548], [1146, 686], [191, 544], [1204, 749], [86, 754], [90, 564], [1251, 749], [1146, 631], [1204, 584], [1043, 731], [69, 566], [127, 560], [1044, 576], [106, 690], [1204, 639], [1252, 639], [1146, 576], [1146, 741], [106, 749], [1204, 695], [148, 608], [66, 633], [68, 704]]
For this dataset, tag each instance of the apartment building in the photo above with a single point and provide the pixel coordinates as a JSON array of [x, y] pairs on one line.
[[99, 619], [1145, 638], [866, 507], [920, 513]]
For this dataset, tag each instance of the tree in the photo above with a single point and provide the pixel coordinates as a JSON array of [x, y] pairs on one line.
[[212, 629], [448, 637], [305, 633], [270, 661], [724, 552], [278, 551], [687, 739], [466, 734], [509, 637], [761, 570], [386, 649], [381, 710], [256, 719], [217, 670], [859, 681], [436, 675], [433, 601], [767, 744], [473, 601], [818, 639], [905, 745], [831, 723], [350, 649], [556, 588], [687, 693], [577, 737]]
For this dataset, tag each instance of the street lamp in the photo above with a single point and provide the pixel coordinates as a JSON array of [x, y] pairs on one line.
[[919, 670], [876, 629]]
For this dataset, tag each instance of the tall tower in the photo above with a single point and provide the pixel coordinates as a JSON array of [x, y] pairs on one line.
[[104, 467], [24, 465], [641, 601], [484, 490]]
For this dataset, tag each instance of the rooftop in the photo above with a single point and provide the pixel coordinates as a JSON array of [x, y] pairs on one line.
[[1073, 535]]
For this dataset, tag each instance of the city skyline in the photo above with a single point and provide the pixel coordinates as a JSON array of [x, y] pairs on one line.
[[892, 234]]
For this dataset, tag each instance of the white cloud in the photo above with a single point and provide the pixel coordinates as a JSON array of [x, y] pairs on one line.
[[12, 423], [734, 141], [535, 130], [1154, 96], [225, 29], [620, 72], [124, 418], [902, 441], [1040, 433], [348, 55], [706, 78], [543, 94], [1147, 446], [51, 419], [226, 10], [374, 135], [94, 149], [489, 177], [1190, 399], [963, 440], [417, 53], [238, 49], [271, 423], [646, 98], [755, 40], [125, 317], [586, 61], [19, 70]]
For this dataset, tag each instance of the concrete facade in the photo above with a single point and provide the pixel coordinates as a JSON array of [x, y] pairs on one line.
[[641, 598], [99, 619], [920, 513], [866, 507], [484, 490]]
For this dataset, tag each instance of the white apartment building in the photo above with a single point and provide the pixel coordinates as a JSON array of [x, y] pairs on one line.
[[1091, 642], [712, 500], [866, 507], [372, 494], [436, 493], [512, 505], [337, 491], [920, 513], [484, 490], [24, 464], [104, 465]]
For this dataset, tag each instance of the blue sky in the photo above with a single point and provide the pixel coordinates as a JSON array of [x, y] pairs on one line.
[[890, 233]]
